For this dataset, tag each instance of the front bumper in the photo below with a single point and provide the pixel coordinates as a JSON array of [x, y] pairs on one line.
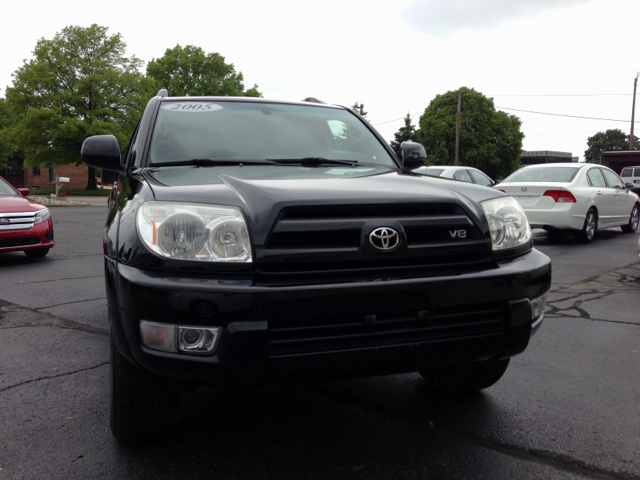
[[340, 330], [38, 236]]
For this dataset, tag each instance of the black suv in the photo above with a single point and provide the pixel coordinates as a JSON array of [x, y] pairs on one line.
[[251, 241]]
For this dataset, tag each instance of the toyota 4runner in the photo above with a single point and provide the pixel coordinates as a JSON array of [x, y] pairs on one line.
[[251, 241]]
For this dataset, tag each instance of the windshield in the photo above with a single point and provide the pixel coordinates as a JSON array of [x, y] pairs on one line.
[[432, 172], [6, 189], [543, 174], [245, 131]]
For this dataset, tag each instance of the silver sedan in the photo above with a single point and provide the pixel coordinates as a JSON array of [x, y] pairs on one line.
[[464, 174], [579, 197]]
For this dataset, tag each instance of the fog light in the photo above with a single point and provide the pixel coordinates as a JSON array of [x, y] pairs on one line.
[[198, 340], [158, 336], [537, 306]]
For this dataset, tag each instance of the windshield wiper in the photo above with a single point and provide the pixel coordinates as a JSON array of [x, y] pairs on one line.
[[312, 161], [206, 162]]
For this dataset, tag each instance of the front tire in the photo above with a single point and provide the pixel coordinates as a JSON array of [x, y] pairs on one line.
[[143, 405], [634, 219], [465, 378], [36, 252], [588, 232]]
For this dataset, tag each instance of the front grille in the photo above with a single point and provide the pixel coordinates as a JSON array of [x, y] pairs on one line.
[[19, 242], [16, 221], [436, 258], [335, 238], [368, 211], [345, 333], [314, 239]]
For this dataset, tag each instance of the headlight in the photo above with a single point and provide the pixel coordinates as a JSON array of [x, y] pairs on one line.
[[508, 223], [189, 231], [42, 216]]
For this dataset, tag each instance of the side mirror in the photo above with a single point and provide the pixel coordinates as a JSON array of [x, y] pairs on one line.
[[102, 151], [413, 155], [630, 186], [23, 191]]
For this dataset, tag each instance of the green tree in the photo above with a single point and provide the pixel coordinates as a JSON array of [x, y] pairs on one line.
[[490, 140], [78, 84], [404, 133], [359, 108], [606, 141], [11, 155], [190, 71]]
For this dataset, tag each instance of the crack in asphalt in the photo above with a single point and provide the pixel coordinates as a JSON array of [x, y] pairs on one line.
[[614, 271], [564, 315], [70, 303], [70, 324], [626, 283], [56, 321], [543, 457], [57, 280], [10, 387], [78, 256]]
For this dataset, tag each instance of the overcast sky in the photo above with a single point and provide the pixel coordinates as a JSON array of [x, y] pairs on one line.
[[563, 57]]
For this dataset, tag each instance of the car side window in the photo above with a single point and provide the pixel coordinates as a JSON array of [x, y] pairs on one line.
[[480, 178], [627, 172], [128, 157], [595, 178], [612, 179], [462, 175]]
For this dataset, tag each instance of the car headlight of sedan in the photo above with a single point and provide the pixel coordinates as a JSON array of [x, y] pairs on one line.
[[508, 223], [191, 231], [42, 216]]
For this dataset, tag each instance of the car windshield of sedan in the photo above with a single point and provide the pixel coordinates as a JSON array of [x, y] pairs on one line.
[[432, 172], [5, 188], [543, 174], [249, 131]]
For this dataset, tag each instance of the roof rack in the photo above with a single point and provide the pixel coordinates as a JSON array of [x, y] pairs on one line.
[[313, 100], [163, 93]]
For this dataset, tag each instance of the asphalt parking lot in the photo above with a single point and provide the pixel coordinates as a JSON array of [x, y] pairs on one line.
[[568, 408]]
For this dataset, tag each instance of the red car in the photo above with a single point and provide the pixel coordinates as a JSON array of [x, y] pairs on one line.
[[24, 224]]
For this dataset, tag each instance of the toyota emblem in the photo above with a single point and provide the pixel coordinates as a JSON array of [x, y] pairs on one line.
[[5, 221], [384, 238]]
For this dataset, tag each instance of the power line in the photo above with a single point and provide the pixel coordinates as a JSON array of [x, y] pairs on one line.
[[566, 95], [522, 95], [531, 111], [388, 121], [562, 115]]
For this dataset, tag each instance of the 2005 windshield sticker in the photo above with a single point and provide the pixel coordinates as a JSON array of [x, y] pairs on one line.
[[191, 107]]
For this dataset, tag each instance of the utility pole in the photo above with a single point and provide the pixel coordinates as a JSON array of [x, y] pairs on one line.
[[458, 132], [633, 112]]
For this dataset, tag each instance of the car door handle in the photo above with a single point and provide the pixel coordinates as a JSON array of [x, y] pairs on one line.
[[599, 193]]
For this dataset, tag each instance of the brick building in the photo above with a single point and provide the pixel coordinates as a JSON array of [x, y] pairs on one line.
[[44, 178]]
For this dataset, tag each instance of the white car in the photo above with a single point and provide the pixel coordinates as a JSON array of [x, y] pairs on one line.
[[464, 174], [579, 197], [631, 175]]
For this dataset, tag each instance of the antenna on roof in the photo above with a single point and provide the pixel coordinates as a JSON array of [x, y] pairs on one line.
[[163, 93], [313, 100]]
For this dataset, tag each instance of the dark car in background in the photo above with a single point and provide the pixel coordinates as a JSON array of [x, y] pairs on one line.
[[251, 242], [25, 225]]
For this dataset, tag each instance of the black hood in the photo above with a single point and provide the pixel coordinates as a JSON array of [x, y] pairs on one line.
[[262, 192]]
